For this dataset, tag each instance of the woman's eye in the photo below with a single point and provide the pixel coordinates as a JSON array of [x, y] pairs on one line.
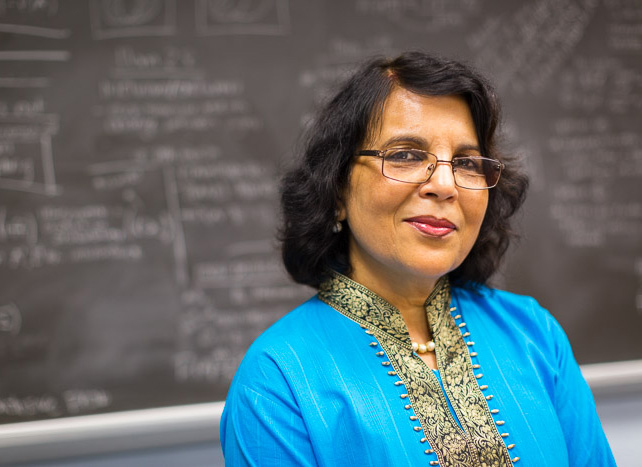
[[405, 156], [468, 163]]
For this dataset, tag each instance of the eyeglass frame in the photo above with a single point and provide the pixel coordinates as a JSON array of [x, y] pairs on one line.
[[380, 153]]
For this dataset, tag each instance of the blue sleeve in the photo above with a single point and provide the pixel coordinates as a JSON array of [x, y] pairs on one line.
[[261, 424], [585, 439]]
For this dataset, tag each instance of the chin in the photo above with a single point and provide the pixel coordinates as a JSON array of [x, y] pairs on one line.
[[429, 272], [432, 266]]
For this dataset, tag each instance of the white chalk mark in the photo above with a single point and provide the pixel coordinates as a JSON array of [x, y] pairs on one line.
[[103, 168], [48, 121], [10, 319], [109, 20], [27, 129], [24, 82], [35, 31], [173, 205], [30, 187], [48, 163], [267, 17], [36, 55], [158, 73], [250, 247], [140, 12]]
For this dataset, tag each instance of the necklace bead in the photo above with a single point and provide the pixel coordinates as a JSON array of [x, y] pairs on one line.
[[423, 348]]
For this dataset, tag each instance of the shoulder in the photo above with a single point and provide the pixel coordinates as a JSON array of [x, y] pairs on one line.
[[513, 318], [496, 298], [501, 305], [301, 325], [296, 340], [295, 355]]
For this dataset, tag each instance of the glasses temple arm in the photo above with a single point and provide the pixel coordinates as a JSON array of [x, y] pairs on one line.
[[370, 152]]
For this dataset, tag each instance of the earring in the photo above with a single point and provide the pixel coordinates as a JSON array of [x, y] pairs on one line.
[[338, 226]]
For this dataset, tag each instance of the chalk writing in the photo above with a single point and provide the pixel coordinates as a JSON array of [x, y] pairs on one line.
[[168, 89], [591, 152], [30, 257], [588, 225], [71, 401], [189, 366], [238, 272], [126, 252], [151, 108], [243, 296], [238, 17], [601, 84], [117, 181], [624, 30], [80, 401], [260, 214], [168, 58], [599, 155], [42, 8], [31, 406], [525, 49]]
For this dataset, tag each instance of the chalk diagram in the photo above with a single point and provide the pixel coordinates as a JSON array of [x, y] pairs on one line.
[[132, 18], [26, 156], [30, 140], [242, 17], [241, 263]]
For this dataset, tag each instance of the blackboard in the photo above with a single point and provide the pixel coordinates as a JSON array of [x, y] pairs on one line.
[[141, 143]]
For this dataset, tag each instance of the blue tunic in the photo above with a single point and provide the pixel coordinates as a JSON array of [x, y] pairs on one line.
[[315, 389]]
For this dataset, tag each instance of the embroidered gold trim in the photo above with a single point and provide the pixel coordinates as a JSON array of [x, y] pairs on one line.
[[479, 443]]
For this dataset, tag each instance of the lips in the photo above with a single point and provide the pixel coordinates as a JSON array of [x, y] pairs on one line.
[[431, 226]]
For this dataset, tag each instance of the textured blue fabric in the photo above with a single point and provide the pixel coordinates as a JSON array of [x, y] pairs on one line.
[[311, 391]]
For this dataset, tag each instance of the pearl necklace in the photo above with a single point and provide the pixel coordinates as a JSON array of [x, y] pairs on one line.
[[423, 348]]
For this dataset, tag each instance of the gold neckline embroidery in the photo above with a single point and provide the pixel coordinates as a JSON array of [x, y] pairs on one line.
[[479, 443]]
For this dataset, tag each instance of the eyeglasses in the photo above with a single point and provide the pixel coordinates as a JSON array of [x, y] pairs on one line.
[[417, 166]]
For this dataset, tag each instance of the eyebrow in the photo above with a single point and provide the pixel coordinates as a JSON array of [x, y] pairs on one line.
[[423, 143], [468, 147], [416, 140]]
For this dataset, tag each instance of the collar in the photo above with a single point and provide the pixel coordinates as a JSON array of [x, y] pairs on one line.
[[369, 309]]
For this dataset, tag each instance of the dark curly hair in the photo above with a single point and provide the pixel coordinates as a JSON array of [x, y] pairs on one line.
[[311, 189]]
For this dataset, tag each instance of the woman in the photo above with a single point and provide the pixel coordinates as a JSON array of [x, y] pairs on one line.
[[398, 213]]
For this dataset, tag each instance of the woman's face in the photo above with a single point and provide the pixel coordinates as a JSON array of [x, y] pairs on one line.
[[406, 233]]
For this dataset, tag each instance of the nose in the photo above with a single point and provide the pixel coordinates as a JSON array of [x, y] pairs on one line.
[[441, 183]]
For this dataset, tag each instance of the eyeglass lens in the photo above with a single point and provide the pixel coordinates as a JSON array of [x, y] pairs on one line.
[[416, 166]]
